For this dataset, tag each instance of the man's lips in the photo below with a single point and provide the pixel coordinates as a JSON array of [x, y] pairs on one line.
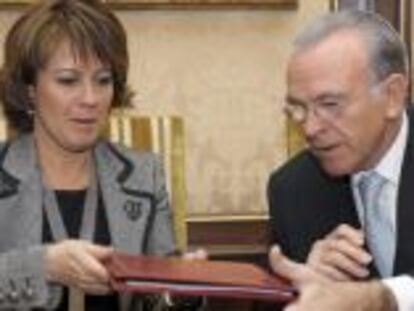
[[324, 150]]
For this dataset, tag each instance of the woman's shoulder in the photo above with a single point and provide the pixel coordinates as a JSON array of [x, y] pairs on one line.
[[18, 145], [135, 156], [4, 145], [130, 164]]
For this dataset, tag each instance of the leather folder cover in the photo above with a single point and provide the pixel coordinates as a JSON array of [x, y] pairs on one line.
[[143, 274]]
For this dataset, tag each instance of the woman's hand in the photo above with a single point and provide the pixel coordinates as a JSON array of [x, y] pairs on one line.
[[80, 264], [199, 254]]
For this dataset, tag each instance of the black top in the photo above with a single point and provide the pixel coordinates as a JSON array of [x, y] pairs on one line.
[[71, 204]]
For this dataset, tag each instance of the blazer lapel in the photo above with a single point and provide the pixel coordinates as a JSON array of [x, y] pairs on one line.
[[26, 203], [128, 204], [404, 256]]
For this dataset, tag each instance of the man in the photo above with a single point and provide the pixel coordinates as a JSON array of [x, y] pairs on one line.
[[344, 205], [318, 293]]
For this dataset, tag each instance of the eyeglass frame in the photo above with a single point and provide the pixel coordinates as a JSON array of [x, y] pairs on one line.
[[327, 107], [322, 108]]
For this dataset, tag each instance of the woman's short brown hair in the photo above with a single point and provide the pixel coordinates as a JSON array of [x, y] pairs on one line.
[[90, 27]]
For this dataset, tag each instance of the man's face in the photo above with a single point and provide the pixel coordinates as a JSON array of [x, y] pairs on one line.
[[356, 119]]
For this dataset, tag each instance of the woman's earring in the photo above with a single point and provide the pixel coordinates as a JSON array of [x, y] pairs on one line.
[[30, 112], [31, 102]]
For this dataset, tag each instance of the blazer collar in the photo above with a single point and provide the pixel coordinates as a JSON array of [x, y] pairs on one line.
[[111, 165], [126, 194], [20, 159], [129, 202], [20, 162], [404, 259]]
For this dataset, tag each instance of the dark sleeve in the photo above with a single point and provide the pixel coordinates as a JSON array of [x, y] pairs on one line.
[[278, 233], [305, 204], [284, 208]]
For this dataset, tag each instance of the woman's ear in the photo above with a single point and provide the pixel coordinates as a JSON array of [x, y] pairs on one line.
[[396, 86], [31, 92]]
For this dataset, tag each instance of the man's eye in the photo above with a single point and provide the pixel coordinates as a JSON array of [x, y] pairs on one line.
[[295, 106], [329, 105]]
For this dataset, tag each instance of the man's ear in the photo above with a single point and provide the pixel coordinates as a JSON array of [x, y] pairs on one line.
[[395, 92]]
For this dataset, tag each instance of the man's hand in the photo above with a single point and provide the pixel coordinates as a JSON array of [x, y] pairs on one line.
[[299, 274], [80, 264], [318, 293], [340, 255]]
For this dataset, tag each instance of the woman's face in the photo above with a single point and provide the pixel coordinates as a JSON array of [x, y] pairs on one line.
[[72, 97]]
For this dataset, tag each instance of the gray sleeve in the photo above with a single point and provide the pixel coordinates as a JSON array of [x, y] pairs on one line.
[[22, 280], [161, 239]]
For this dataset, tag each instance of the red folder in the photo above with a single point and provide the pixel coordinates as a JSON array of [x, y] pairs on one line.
[[143, 274]]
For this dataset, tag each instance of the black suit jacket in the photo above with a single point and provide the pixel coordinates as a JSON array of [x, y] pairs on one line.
[[305, 204]]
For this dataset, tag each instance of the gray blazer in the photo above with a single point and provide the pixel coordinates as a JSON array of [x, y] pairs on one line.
[[136, 203]]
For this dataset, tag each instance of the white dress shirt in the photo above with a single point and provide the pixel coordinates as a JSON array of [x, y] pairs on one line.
[[389, 167]]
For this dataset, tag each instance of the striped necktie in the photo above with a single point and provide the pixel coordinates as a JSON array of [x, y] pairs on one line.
[[377, 225]]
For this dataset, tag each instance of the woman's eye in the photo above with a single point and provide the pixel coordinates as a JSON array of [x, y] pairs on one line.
[[107, 80], [67, 81]]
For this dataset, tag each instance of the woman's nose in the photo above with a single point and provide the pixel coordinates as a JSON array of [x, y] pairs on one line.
[[90, 94]]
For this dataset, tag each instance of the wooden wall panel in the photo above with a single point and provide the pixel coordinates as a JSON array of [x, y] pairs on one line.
[[179, 4]]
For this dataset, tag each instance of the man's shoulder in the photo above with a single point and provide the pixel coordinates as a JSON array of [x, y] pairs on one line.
[[300, 168], [303, 174]]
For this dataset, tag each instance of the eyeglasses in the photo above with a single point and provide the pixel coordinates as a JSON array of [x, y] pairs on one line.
[[327, 111], [328, 107]]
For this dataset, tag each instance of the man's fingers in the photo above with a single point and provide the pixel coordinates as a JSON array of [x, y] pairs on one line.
[[282, 265], [297, 273], [340, 255], [353, 252], [343, 263], [332, 273], [344, 231]]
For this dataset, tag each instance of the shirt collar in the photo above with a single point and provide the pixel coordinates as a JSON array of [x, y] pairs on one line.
[[390, 164]]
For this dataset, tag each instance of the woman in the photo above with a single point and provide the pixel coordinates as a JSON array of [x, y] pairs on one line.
[[66, 195]]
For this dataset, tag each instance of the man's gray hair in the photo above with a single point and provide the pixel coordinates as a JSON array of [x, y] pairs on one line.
[[387, 52]]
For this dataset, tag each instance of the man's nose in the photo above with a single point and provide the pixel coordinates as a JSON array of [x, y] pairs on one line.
[[311, 125]]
